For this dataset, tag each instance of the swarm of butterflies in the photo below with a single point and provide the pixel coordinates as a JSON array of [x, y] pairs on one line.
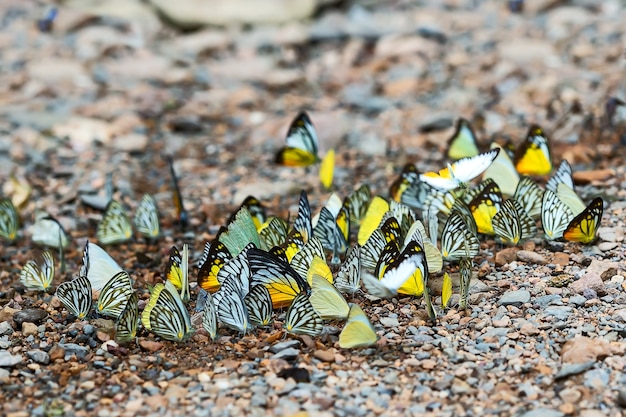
[[258, 264]]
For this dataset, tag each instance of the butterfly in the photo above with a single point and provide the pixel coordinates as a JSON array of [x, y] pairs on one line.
[[259, 304], [256, 210], [326, 300], [455, 236], [463, 143], [76, 296], [465, 270], [165, 314], [146, 218], [372, 219], [38, 273], [446, 290], [273, 233], [115, 226], [115, 295], [214, 257], [303, 223], [584, 226], [301, 261], [301, 317], [394, 275], [357, 202], [562, 175], [459, 173], [348, 279], [511, 224], [283, 283], [358, 331], [177, 271], [240, 231], [98, 266], [555, 215], [301, 144], [47, 231], [409, 189], [330, 234], [231, 307], [503, 172], [485, 205], [327, 169], [417, 233], [529, 195], [9, 220], [181, 214], [209, 317], [126, 325], [371, 251], [532, 157], [237, 272]]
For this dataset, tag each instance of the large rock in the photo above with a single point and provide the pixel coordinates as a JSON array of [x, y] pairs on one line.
[[194, 13]]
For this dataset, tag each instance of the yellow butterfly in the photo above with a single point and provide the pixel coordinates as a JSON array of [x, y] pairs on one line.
[[484, 206], [584, 226], [283, 283], [177, 271], [532, 157], [213, 258], [327, 169], [446, 290], [373, 216], [326, 300], [301, 144], [462, 144], [358, 331]]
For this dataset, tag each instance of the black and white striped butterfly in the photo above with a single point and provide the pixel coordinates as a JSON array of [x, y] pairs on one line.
[[209, 317], [76, 296], [115, 295], [9, 220], [348, 279], [259, 304], [146, 218], [115, 225], [302, 318], [165, 314], [38, 273], [126, 325]]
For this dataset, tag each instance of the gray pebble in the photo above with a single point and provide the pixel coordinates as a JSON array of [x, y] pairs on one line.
[[31, 315], [389, 321], [5, 328], [289, 353], [596, 378], [560, 312], [546, 300], [531, 257], [284, 345], [542, 412], [517, 298], [569, 369], [39, 356], [577, 300], [89, 329], [72, 348], [8, 360], [589, 294]]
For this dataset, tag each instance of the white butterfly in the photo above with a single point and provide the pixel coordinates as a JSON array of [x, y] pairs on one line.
[[460, 172]]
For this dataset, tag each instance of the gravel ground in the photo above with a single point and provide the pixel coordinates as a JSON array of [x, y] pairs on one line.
[[384, 83]]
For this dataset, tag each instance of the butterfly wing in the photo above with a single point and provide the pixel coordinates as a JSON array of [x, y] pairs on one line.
[[76, 296], [327, 169], [348, 279], [555, 215], [98, 266], [562, 175], [584, 226], [463, 143], [9, 220], [259, 304], [301, 317], [115, 225], [214, 257], [146, 218], [358, 331], [456, 236], [533, 155], [529, 195], [301, 143], [167, 316], [209, 317], [126, 326], [115, 295], [326, 300]]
